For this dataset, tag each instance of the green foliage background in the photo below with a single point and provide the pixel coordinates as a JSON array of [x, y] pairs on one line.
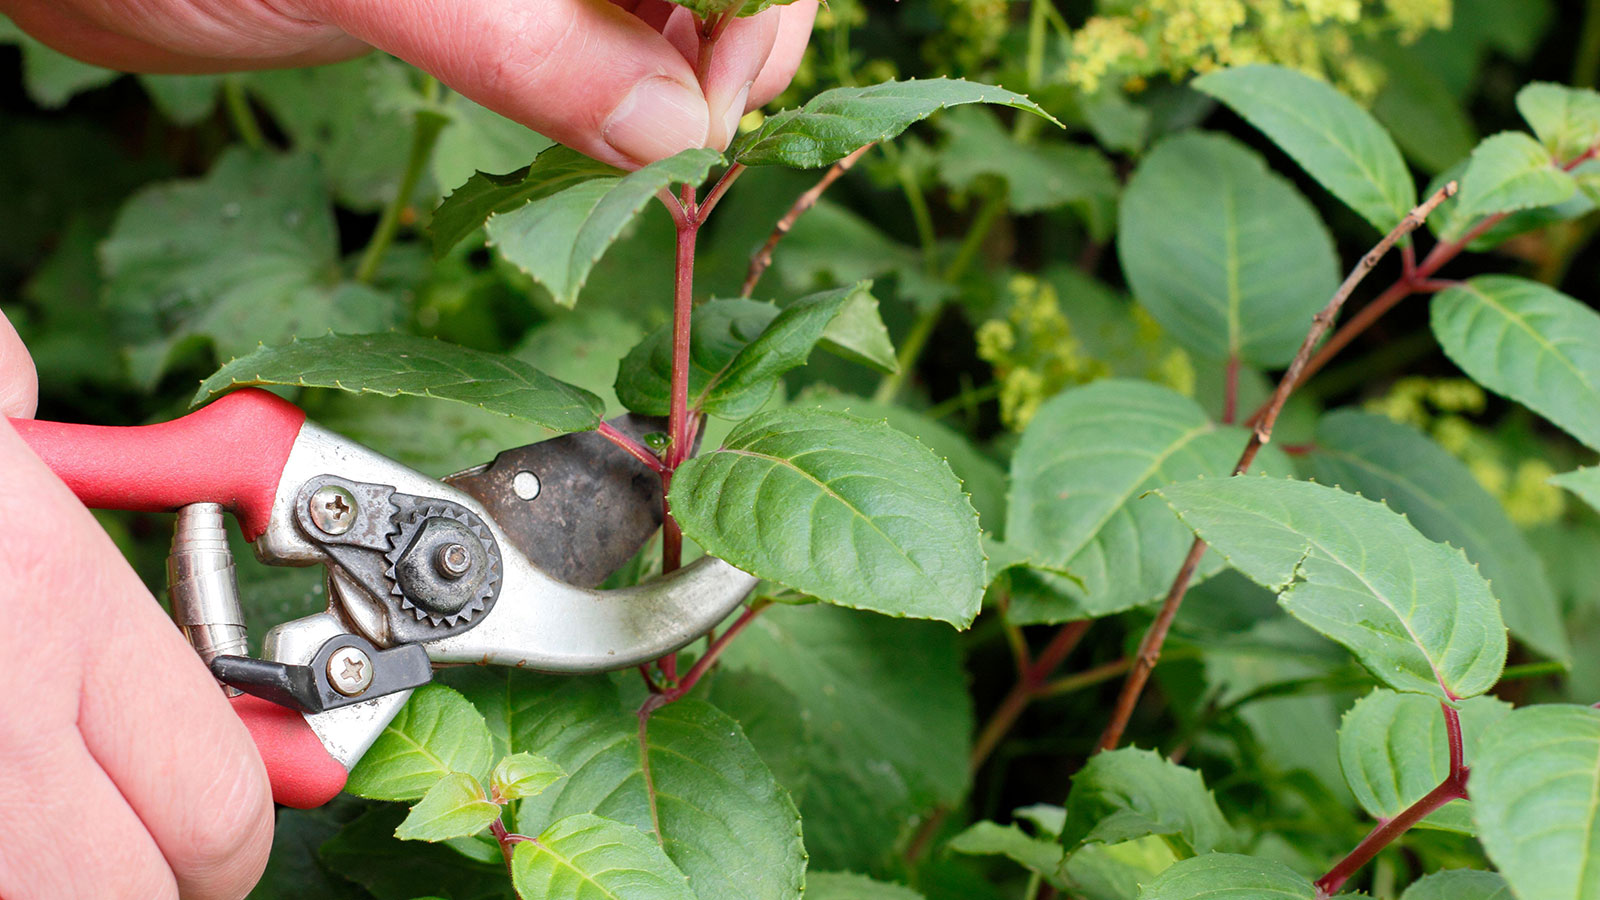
[[1033, 279]]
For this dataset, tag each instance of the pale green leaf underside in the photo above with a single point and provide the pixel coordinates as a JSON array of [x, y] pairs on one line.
[[832, 124], [586, 857], [391, 364], [557, 238], [1394, 749], [1228, 876], [1529, 342], [1383, 460], [1459, 884], [1336, 141], [888, 746], [1584, 482], [1036, 854], [472, 204], [454, 807], [1077, 498], [1416, 613], [709, 783], [1125, 794], [437, 732], [1566, 120], [524, 775], [849, 511], [1534, 787], [1224, 253], [1510, 171]]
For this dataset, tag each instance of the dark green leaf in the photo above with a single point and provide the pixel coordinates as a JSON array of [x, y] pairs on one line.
[[834, 123], [1382, 460], [483, 196], [585, 857], [849, 511], [1459, 884], [1393, 750], [479, 140], [1529, 342], [1125, 794], [367, 852], [1327, 133], [248, 254], [1224, 253], [52, 78], [849, 886], [1037, 176], [1227, 876], [1416, 613], [887, 703], [455, 806], [393, 364], [1534, 784], [436, 733]]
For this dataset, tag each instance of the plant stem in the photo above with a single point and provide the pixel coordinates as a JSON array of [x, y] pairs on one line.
[[763, 257], [910, 348], [1230, 390], [926, 236], [714, 196], [424, 135], [632, 447], [508, 842], [688, 227], [240, 114], [1150, 646]]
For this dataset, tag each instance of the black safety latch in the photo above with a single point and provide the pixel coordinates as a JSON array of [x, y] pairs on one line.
[[347, 670]]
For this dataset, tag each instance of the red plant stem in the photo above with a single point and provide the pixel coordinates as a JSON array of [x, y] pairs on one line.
[[1230, 390], [634, 448], [714, 196], [763, 257], [704, 663], [1032, 679], [508, 842], [1383, 835], [688, 227], [1150, 646]]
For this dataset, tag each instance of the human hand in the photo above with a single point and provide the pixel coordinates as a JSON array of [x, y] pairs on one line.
[[614, 79], [124, 771]]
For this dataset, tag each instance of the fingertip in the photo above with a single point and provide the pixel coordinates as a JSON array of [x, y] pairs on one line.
[[658, 118], [740, 55], [19, 382]]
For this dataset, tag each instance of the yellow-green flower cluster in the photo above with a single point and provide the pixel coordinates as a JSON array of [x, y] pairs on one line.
[[1130, 40], [1440, 406], [1036, 354], [969, 37]]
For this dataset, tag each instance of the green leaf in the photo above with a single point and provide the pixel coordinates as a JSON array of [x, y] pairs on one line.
[[739, 349], [1077, 501], [849, 511], [184, 99], [709, 783], [1584, 482], [483, 196], [1393, 749], [1036, 854], [1567, 120], [835, 122], [52, 78], [1228, 876], [1117, 871], [888, 705], [523, 775], [1510, 171], [709, 9], [1383, 460], [367, 853], [247, 254], [436, 733], [1224, 253], [858, 334], [585, 857], [558, 237], [454, 807], [1124, 794], [392, 364], [1534, 785], [1336, 141], [831, 245], [1459, 884], [849, 886], [1416, 613], [1528, 342], [480, 140], [1037, 176]]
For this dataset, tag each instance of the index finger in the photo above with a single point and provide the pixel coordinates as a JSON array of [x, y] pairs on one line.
[[19, 383]]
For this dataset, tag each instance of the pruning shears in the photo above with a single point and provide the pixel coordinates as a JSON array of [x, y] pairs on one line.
[[495, 565]]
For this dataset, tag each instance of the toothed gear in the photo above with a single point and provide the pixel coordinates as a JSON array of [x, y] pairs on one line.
[[417, 585]]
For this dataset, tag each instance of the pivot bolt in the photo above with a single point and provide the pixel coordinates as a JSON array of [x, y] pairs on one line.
[[453, 561], [349, 671], [333, 509]]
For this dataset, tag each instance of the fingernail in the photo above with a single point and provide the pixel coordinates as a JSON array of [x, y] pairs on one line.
[[730, 119], [658, 118]]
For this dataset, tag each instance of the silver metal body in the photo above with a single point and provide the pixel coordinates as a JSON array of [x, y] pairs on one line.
[[538, 622]]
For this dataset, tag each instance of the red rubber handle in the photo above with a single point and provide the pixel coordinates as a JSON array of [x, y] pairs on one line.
[[231, 452], [302, 773]]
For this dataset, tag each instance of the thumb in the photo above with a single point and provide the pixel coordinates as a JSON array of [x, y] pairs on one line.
[[19, 384], [583, 72]]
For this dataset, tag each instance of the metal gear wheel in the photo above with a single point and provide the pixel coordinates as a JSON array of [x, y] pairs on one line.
[[444, 567]]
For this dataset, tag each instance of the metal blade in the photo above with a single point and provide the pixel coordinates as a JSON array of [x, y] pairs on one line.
[[576, 506]]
